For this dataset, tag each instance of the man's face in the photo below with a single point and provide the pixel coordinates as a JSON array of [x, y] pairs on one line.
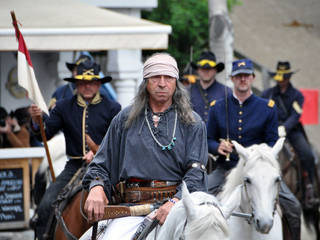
[[161, 88], [284, 82], [207, 75], [88, 89], [242, 82]]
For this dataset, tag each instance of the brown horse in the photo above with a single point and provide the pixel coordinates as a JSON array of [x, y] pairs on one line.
[[71, 222], [75, 223], [294, 178]]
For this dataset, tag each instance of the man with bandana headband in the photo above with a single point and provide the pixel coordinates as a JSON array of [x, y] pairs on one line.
[[155, 143]]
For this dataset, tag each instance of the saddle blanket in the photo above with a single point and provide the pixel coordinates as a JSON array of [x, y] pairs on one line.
[[120, 228]]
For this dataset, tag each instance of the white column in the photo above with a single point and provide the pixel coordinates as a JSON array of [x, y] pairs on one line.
[[221, 37], [125, 67], [63, 71]]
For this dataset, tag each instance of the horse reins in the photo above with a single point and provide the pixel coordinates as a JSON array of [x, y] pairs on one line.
[[249, 217], [249, 220], [63, 203]]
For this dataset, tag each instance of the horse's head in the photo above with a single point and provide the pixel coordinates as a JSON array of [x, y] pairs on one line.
[[259, 173], [205, 217]]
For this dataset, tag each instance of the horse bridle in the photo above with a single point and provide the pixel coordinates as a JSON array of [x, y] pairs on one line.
[[276, 200], [182, 237]]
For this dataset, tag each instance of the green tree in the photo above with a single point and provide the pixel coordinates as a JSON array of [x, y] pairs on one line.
[[189, 21], [190, 26]]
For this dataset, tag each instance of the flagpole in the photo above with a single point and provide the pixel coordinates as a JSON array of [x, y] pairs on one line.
[[43, 135], [44, 140]]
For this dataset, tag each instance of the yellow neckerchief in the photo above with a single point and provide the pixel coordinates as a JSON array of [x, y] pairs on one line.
[[82, 103]]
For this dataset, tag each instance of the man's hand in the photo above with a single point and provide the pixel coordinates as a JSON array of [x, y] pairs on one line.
[[35, 112], [88, 157], [94, 206], [164, 210], [6, 129], [225, 147]]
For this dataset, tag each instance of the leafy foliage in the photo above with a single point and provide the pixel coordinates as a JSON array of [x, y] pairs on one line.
[[190, 26], [189, 22]]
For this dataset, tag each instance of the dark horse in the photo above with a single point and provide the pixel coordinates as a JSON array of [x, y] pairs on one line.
[[74, 223], [294, 178], [68, 220]]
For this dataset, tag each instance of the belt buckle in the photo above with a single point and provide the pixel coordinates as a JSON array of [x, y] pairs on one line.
[[156, 184]]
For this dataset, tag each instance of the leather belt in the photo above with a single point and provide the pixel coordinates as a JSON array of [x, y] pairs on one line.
[[148, 183], [148, 194]]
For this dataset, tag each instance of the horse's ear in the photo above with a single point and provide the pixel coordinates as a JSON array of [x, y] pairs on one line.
[[232, 202], [278, 146], [241, 150], [187, 202]]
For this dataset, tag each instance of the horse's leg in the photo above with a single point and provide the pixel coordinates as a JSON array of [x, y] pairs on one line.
[[73, 219]]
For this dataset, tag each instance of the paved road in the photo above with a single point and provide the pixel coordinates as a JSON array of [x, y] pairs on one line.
[[17, 235]]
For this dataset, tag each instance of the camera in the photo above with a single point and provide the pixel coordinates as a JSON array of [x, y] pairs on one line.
[[2, 123]]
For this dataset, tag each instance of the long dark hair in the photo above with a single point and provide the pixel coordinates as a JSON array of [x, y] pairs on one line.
[[180, 99]]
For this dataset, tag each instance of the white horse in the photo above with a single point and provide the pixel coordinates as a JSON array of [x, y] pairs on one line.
[[197, 216], [258, 172]]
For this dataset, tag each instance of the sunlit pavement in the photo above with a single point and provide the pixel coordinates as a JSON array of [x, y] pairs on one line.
[[26, 234]]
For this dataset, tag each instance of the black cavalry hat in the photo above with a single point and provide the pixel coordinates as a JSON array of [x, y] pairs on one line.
[[283, 71], [88, 71], [207, 60], [82, 58]]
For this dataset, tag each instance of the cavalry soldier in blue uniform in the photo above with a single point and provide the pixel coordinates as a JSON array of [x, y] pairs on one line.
[[289, 101], [86, 113], [207, 89], [146, 147], [69, 89], [247, 119]]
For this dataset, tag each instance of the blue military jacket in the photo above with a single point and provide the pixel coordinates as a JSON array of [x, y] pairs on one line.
[[75, 118], [252, 122], [289, 105], [202, 98]]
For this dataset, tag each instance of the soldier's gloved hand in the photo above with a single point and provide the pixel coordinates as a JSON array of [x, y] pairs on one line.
[[282, 131]]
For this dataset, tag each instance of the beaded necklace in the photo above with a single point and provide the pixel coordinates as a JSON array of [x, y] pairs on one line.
[[171, 144]]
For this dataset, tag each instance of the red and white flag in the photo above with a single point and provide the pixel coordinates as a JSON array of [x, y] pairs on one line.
[[26, 76]]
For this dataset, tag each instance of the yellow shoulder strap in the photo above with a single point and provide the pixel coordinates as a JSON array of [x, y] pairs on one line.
[[297, 107]]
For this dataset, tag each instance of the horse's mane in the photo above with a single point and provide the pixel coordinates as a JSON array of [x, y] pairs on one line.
[[212, 218], [257, 154]]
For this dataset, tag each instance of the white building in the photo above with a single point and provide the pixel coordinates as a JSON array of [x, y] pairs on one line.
[[55, 31]]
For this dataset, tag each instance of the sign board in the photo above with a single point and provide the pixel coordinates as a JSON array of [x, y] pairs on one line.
[[11, 195], [15, 185]]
